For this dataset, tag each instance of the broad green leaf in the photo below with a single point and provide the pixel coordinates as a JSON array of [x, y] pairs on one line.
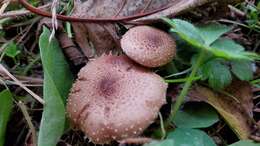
[[222, 48], [11, 50], [227, 48], [218, 74], [57, 82], [245, 143], [190, 137], [167, 142], [5, 111], [186, 31], [196, 116], [242, 69], [212, 31]]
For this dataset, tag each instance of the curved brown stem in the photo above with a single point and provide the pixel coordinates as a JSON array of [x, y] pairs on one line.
[[78, 19]]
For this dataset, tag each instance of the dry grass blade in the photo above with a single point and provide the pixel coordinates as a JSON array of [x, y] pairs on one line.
[[38, 98], [27, 81], [54, 21], [138, 140], [28, 120], [19, 13], [4, 6]]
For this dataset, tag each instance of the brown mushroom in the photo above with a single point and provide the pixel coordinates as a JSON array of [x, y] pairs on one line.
[[148, 46], [114, 98]]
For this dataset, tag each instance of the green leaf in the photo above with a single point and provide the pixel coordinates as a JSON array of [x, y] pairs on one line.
[[218, 74], [57, 82], [196, 116], [228, 46], [5, 111], [242, 69], [222, 48], [167, 142], [2, 33], [11, 50], [228, 49], [212, 31], [186, 31], [245, 143], [190, 137]]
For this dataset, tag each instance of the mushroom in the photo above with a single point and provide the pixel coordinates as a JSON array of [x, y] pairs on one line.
[[148, 46], [115, 98]]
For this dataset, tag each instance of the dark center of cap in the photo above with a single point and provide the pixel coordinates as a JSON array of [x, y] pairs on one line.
[[107, 87]]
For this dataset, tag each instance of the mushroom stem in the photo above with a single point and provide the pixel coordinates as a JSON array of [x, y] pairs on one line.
[[185, 89]]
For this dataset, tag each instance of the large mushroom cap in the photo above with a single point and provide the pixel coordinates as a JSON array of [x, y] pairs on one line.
[[115, 98], [148, 46]]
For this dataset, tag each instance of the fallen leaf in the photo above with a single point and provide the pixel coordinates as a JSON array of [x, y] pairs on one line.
[[66, 43], [181, 6], [70, 49], [235, 106], [97, 38], [245, 143]]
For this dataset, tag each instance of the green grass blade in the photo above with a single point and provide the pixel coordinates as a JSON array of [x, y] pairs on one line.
[[57, 82], [181, 80], [5, 111]]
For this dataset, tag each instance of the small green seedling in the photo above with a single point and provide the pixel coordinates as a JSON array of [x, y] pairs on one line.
[[253, 15], [12, 50], [222, 56], [216, 58]]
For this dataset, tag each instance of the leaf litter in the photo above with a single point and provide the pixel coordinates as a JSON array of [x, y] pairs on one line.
[[235, 105]]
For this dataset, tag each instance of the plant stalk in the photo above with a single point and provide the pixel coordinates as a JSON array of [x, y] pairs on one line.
[[185, 89]]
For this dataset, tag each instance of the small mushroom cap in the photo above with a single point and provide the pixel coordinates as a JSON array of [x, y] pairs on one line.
[[148, 46], [114, 98]]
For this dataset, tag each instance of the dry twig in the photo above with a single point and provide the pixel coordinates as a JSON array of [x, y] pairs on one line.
[[19, 13], [28, 120], [38, 98]]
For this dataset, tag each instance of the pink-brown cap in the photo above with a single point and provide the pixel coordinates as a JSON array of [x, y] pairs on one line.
[[114, 98], [148, 46]]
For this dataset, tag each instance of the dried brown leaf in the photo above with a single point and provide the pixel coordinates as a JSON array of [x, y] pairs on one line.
[[235, 105], [70, 49], [66, 43], [95, 39], [181, 6]]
